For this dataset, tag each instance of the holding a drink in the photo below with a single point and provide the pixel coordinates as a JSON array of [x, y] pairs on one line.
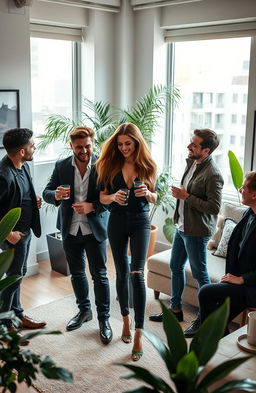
[[62, 192]]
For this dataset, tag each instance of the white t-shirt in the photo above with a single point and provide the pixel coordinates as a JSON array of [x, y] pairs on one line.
[[186, 180]]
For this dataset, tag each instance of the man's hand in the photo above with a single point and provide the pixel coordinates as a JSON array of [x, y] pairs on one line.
[[38, 202], [179, 192], [232, 279], [14, 237], [83, 207]]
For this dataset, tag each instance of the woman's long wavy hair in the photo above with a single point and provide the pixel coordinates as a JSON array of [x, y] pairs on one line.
[[111, 160]]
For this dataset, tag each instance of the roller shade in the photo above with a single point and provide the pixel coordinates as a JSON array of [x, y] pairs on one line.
[[56, 32], [246, 29]]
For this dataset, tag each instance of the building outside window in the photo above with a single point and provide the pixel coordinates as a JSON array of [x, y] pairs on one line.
[[221, 74]]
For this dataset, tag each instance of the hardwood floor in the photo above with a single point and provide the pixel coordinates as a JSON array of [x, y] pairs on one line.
[[49, 285]]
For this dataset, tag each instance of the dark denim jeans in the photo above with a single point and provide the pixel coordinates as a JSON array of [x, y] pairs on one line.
[[183, 248], [211, 296], [11, 295], [76, 248], [122, 227]]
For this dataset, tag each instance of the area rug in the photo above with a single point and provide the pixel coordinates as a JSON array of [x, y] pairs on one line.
[[82, 352]]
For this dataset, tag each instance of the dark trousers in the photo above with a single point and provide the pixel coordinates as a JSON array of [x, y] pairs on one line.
[[211, 296], [122, 227], [76, 248], [11, 295]]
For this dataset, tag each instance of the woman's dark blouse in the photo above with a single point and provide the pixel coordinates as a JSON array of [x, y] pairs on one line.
[[135, 204]]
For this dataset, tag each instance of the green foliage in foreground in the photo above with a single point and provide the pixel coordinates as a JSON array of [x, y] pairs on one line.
[[18, 365], [186, 362]]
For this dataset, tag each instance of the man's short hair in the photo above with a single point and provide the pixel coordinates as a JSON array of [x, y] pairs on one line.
[[16, 138], [82, 132], [250, 178], [209, 139]]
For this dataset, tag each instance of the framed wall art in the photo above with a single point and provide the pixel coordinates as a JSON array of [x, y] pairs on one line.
[[9, 111]]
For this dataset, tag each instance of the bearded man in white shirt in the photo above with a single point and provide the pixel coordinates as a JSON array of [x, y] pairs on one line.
[[82, 220]]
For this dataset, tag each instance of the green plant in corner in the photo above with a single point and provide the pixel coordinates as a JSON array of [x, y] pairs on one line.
[[236, 172], [164, 197], [18, 365], [186, 363]]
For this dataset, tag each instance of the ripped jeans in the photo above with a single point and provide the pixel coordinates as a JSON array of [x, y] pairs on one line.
[[134, 227]]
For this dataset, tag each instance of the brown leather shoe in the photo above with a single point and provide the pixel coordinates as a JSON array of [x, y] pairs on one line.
[[29, 323], [23, 341]]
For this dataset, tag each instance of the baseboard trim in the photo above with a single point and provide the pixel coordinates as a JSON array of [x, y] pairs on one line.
[[32, 270], [42, 255]]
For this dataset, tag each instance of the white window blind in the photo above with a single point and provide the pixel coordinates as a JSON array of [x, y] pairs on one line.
[[245, 29], [56, 32]]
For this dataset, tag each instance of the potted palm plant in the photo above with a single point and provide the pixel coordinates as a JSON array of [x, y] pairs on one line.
[[186, 363], [20, 366]]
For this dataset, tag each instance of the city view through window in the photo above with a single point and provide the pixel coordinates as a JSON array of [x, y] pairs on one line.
[[51, 75], [212, 76]]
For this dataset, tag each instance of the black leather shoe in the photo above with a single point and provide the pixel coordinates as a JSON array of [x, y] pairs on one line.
[[159, 317], [193, 328], [106, 333], [79, 319]]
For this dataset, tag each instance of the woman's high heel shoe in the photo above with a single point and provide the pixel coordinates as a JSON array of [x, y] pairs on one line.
[[136, 355], [127, 338]]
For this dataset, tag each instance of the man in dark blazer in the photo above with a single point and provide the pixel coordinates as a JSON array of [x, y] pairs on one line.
[[239, 282], [16, 190], [82, 220]]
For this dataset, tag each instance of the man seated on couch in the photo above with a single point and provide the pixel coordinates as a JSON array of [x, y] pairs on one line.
[[239, 282]]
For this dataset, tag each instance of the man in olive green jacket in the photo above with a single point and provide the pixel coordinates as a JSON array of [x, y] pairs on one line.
[[198, 204]]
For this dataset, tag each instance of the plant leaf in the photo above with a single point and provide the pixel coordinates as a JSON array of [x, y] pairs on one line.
[[6, 282], [169, 229], [6, 258], [175, 337], [8, 222], [236, 170], [245, 385], [206, 340], [162, 350], [221, 371], [188, 366], [146, 376]]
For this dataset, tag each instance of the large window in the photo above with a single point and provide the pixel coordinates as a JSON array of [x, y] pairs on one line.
[[213, 82], [53, 68]]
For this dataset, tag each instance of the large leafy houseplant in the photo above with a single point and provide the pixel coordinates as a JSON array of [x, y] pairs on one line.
[[18, 365], [104, 119], [186, 362]]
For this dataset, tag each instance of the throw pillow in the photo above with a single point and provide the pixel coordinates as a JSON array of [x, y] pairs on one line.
[[226, 233]]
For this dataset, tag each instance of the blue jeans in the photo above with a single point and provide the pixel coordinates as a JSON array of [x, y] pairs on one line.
[[76, 248], [183, 248], [125, 227], [10, 297]]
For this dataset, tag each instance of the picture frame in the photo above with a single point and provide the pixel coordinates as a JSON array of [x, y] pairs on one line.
[[9, 111]]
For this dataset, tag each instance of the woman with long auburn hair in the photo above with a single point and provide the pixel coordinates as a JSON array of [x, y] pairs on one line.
[[128, 175]]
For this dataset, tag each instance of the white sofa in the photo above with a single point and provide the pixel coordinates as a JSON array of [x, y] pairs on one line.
[[159, 273]]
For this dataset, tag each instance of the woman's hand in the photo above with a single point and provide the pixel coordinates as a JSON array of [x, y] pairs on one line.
[[141, 191], [232, 279], [120, 197]]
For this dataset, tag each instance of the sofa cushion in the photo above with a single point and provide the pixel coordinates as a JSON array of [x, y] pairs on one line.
[[226, 233], [228, 210], [160, 264]]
